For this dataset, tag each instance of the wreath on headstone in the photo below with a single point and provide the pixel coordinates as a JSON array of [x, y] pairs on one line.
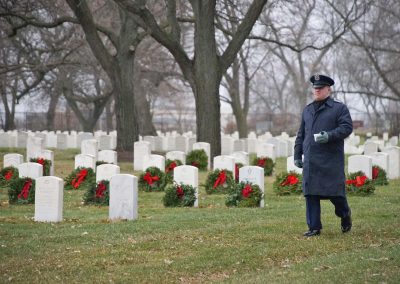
[[170, 165], [99, 193], [287, 183], [237, 167], [197, 158], [219, 181], [179, 195], [44, 162], [244, 195], [379, 176], [22, 191], [80, 178], [266, 163], [358, 183], [8, 175], [153, 179]]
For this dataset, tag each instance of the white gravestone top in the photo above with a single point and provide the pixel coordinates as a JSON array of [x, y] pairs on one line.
[[49, 193], [188, 175], [254, 175], [106, 172], [123, 197]]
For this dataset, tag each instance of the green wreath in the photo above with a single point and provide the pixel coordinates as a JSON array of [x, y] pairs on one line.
[[358, 184], [80, 178], [8, 175], [197, 158], [170, 165], [153, 179], [237, 167], [45, 163], [379, 176], [244, 195], [219, 181], [287, 183], [98, 194], [179, 195], [22, 191], [266, 163]]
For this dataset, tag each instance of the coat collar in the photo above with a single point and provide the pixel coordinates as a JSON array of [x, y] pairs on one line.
[[329, 102]]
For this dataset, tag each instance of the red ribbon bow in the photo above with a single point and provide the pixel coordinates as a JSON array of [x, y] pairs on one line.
[[8, 175], [40, 161], [220, 180], [359, 181], [101, 187], [195, 164], [261, 162], [246, 191], [25, 189], [291, 179], [179, 192], [236, 173], [171, 167], [80, 177], [375, 172], [150, 179]]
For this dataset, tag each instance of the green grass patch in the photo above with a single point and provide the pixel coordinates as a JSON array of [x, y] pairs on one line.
[[211, 244]]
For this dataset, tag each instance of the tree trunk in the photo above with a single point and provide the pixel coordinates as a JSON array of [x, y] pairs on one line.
[[109, 116], [207, 76], [51, 111], [9, 123]]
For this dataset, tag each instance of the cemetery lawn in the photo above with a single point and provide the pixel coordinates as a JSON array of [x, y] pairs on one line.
[[212, 243]]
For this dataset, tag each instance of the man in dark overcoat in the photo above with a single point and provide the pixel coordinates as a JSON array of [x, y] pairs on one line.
[[325, 123]]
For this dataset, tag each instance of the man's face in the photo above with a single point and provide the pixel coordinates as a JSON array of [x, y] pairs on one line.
[[321, 93]]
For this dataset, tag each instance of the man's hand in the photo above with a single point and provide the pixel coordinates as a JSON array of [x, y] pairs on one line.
[[323, 137], [298, 163]]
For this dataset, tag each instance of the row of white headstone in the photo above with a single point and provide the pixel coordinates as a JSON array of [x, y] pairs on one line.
[[123, 189], [388, 160]]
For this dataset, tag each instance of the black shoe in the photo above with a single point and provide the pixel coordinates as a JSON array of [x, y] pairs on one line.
[[312, 233], [346, 223]]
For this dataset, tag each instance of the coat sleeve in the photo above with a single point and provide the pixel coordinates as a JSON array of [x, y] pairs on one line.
[[345, 125], [298, 145]]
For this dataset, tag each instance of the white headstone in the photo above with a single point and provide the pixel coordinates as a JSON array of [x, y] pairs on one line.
[[370, 147], [225, 163], [360, 163], [49, 155], [266, 150], [34, 147], [385, 136], [158, 143], [157, 161], [141, 149], [393, 141], [239, 145], [227, 145], [72, 140], [206, 147], [62, 141], [12, 160], [90, 147], [290, 166], [82, 136], [251, 145], [22, 139], [380, 159], [51, 140], [394, 161], [49, 193], [106, 171], [123, 197], [150, 139], [5, 140], [105, 142], [176, 155], [182, 143], [108, 156], [30, 170], [86, 161], [254, 175], [241, 157], [188, 175]]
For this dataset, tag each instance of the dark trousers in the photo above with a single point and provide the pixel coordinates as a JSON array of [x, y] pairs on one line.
[[313, 209]]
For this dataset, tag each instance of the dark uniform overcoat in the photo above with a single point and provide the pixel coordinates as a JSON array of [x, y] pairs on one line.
[[323, 165]]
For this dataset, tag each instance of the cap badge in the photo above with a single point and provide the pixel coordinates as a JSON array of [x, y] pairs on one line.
[[316, 77]]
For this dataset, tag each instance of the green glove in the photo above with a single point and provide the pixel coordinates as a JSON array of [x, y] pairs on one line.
[[323, 137], [298, 163]]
